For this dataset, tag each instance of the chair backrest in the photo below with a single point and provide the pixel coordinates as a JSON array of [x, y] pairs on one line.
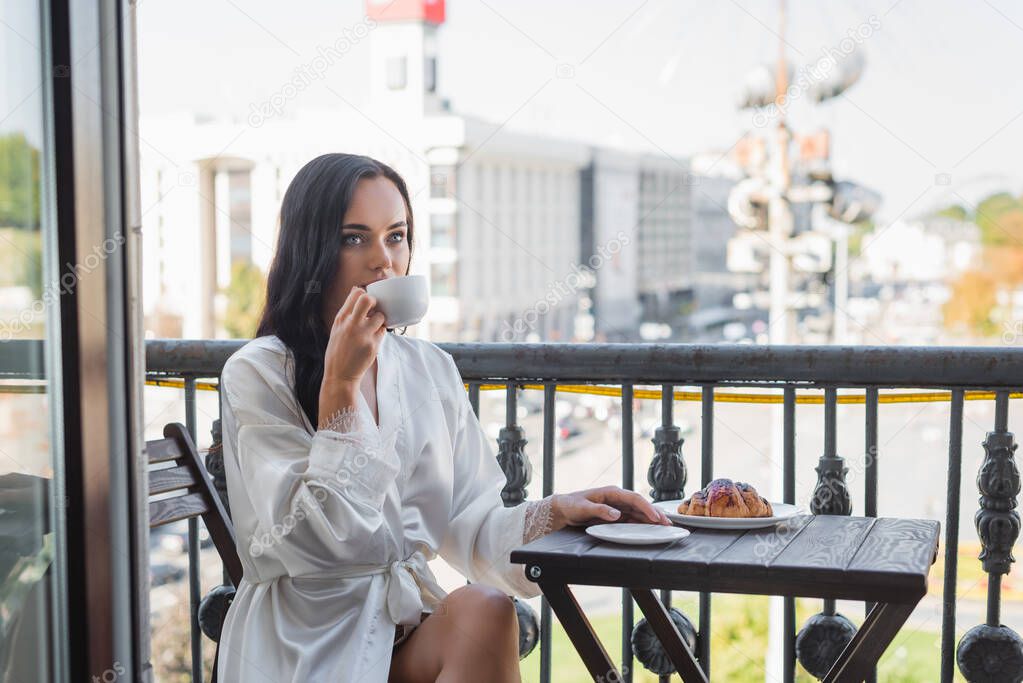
[[196, 495]]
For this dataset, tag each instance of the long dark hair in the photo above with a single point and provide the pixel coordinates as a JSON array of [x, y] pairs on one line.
[[306, 261]]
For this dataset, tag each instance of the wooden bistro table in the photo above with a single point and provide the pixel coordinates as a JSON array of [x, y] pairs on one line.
[[879, 560]]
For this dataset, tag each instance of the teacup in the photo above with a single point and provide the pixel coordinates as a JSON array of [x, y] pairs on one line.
[[403, 300]]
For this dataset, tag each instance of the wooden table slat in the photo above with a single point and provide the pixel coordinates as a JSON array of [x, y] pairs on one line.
[[560, 549], [825, 546], [624, 557], [619, 559], [753, 553], [694, 554], [898, 545], [897, 550]]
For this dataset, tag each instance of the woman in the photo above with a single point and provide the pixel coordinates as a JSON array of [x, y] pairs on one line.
[[336, 522]]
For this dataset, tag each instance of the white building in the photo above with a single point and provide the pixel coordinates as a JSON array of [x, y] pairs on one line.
[[664, 239], [504, 215], [508, 227], [923, 251], [610, 200], [204, 209]]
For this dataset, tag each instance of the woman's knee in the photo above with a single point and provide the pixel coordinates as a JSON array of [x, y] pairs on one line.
[[483, 605]]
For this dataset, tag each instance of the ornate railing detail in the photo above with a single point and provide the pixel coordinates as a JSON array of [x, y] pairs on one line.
[[511, 453], [993, 651], [667, 471], [825, 635]]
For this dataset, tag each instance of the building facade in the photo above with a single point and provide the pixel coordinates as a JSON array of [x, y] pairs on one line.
[[522, 237]]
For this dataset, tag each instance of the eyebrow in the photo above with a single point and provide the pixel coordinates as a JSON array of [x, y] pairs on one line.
[[360, 226]]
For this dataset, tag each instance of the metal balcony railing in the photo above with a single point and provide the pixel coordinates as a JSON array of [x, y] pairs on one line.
[[714, 374], [951, 374]]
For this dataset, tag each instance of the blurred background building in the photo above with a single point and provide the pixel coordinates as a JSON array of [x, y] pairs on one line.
[[513, 230]]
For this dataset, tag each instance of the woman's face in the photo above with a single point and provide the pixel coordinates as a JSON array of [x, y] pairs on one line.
[[374, 240]]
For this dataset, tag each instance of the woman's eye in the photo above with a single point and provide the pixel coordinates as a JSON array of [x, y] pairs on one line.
[[354, 240]]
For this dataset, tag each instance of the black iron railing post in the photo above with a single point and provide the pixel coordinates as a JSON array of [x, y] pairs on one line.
[[992, 651], [194, 584], [955, 467], [511, 453], [667, 477], [826, 634]]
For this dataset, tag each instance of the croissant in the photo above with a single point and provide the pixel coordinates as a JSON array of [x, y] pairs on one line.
[[725, 498], [757, 504], [696, 505]]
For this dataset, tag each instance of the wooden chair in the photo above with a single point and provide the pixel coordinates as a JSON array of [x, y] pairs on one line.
[[199, 498], [196, 498]]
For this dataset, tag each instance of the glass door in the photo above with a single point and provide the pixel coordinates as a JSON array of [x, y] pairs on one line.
[[33, 595]]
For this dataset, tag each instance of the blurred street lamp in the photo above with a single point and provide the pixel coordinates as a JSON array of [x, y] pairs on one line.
[[759, 87], [853, 203], [843, 74], [747, 203]]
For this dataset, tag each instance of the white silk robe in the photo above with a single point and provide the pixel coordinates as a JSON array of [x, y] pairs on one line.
[[334, 530]]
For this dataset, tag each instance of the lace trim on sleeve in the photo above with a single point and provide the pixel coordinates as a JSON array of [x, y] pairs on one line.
[[341, 421], [538, 519]]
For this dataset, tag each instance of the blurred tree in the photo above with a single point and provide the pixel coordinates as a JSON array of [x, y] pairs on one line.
[[972, 303], [19, 182], [32, 264], [1005, 263], [245, 297], [955, 212], [21, 259], [1000, 219]]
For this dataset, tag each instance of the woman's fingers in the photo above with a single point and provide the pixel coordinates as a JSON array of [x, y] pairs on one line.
[[611, 504], [601, 511], [353, 297], [362, 307], [643, 519], [635, 504], [578, 509], [377, 322]]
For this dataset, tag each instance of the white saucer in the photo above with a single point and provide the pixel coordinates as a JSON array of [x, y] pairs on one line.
[[637, 534], [782, 511]]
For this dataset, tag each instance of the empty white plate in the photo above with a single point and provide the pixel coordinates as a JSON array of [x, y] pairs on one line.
[[637, 534]]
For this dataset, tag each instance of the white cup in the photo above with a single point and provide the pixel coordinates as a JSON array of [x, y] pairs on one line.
[[403, 300]]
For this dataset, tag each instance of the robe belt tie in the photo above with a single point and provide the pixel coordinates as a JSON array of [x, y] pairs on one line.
[[406, 581]]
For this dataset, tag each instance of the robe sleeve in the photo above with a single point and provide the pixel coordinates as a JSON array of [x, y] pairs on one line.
[[482, 532], [317, 499]]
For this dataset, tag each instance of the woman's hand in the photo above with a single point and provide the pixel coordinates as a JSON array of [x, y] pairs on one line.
[[605, 504], [354, 340]]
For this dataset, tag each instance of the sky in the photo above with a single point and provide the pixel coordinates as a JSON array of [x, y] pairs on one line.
[[936, 118]]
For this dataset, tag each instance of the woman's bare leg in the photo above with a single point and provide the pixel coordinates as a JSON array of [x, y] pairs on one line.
[[472, 636]]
